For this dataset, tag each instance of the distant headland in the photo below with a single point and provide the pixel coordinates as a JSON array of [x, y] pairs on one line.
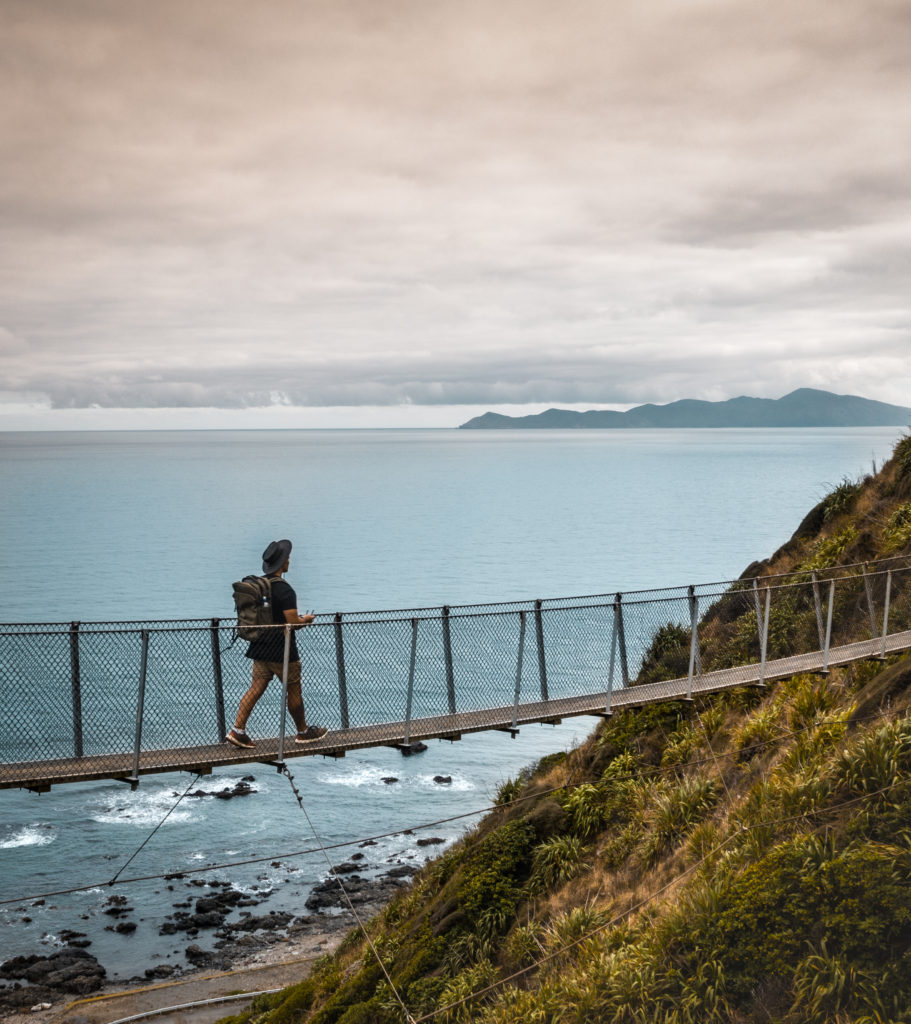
[[806, 407]]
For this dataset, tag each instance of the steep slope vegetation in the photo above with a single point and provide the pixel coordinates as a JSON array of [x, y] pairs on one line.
[[745, 857]]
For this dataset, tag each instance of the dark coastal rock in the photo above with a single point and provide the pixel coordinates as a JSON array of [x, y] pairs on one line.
[[202, 958], [389, 779], [431, 841], [362, 892], [413, 748], [117, 905], [70, 970], [210, 920], [442, 780], [241, 788], [161, 971], [345, 869], [402, 871], [263, 922]]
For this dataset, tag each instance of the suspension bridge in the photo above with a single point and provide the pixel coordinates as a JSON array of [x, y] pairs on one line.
[[88, 701]]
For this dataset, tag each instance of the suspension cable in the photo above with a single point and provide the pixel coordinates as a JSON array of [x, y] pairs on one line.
[[139, 848], [287, 773]]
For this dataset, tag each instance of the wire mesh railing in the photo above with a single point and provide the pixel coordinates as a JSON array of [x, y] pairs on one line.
[[118, 699]]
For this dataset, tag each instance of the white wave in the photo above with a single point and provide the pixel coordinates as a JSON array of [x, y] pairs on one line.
[[30, 835], [144, 808], [362, 776], [458, 785], [355, 778]]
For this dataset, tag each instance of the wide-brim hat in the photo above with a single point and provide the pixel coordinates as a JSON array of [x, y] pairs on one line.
[[275, 555]]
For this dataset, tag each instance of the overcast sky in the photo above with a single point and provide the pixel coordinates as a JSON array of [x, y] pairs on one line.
[[408, 211]]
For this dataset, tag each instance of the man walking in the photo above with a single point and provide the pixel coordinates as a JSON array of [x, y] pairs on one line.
[[268, 652]]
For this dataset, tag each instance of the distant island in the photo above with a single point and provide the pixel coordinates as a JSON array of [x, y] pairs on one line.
[[806, 407]]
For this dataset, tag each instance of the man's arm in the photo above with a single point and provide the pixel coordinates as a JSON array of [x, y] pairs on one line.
[[292, 616]]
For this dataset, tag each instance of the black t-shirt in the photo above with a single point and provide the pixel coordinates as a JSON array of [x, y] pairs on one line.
[[271, 645]]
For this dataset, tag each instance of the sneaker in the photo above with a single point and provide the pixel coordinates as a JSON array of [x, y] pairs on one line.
[[311, 733], [240, 739]]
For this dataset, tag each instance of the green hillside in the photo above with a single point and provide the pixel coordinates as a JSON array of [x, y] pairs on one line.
[[745, 857]]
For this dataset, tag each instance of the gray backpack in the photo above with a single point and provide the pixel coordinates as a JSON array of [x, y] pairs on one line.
[[253, 601]]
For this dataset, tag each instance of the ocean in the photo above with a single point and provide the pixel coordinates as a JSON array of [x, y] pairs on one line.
[[149, 525]]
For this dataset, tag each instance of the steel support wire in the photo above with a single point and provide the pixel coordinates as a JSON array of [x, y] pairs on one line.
[[408, 1017]]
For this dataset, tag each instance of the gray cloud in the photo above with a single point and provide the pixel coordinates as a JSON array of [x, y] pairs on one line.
[[331, 203]]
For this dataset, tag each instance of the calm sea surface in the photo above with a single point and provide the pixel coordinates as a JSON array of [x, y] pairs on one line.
[[98, 526]]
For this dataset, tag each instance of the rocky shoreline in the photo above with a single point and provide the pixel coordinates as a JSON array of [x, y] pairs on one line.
[[40, 986]]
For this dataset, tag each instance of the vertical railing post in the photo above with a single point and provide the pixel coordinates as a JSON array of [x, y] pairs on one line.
[[694, 640], [342, 674], [219, 681], [882, 652], [757, 605], [140, 703], [76, 681], [518, 691], [411, 664], [621, 639], [764, 638], [447, 657], [817, 601], [869, 591], [825, 656], [613, 655], [542, 661], [285, 661]]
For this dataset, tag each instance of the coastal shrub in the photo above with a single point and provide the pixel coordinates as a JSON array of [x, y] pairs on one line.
[[711, 719], [555, 861], [497, 871], [826, 985], [815, 745], [840, 498], [423, 995], [575, 925], [876, 760], [741, 646], [508, 791], [681, 744], [524, 945], [902, 455], [897, 531], [620, 845], [585, 805], [757, 731], [360, 988], [827, 552], [704, 838], [668, 654], [676, 812], [641, 731], [550, 761], [454, 1005], [855, 899], [624, 765], [812, 698]]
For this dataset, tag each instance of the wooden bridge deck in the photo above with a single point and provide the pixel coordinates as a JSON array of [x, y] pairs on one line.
[[41, 775]]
